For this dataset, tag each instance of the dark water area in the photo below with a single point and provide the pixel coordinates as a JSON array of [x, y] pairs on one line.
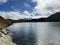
[[41, 33]]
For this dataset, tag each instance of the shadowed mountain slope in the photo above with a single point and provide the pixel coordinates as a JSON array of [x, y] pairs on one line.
[[54, 17], [7, 22]]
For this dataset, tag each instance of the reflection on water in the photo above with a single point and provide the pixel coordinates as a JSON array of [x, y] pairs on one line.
[[25, 38], [43, 33]]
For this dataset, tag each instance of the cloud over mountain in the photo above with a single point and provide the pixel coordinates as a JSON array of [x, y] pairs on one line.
[[43, 8], [47, 7], [13, 15]]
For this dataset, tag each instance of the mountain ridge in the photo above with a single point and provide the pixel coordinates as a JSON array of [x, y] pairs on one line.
[[53, 18]]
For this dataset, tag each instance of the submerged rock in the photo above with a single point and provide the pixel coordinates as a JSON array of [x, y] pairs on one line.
[[6, 39]]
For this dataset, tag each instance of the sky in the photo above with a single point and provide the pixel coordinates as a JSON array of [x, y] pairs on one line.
[[17, 9]]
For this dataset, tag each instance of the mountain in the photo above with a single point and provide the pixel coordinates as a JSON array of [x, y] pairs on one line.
[[54, 17], [39, 20]]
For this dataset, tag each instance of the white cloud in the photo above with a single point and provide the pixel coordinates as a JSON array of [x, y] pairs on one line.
[[3, 1], [26, 4], [46, 7], [26, 12], [13, 15], [43, 8]]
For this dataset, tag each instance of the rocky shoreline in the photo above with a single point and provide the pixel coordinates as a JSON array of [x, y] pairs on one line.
[[6, 39]]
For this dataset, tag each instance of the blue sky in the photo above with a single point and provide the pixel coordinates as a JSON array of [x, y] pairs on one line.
[[28, 8], [20, 5]]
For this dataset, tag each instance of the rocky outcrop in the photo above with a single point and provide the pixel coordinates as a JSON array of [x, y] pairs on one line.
[[6, 39]]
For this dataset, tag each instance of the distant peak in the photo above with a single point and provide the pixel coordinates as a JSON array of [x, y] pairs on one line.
[[1, 17], [57, 13]]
